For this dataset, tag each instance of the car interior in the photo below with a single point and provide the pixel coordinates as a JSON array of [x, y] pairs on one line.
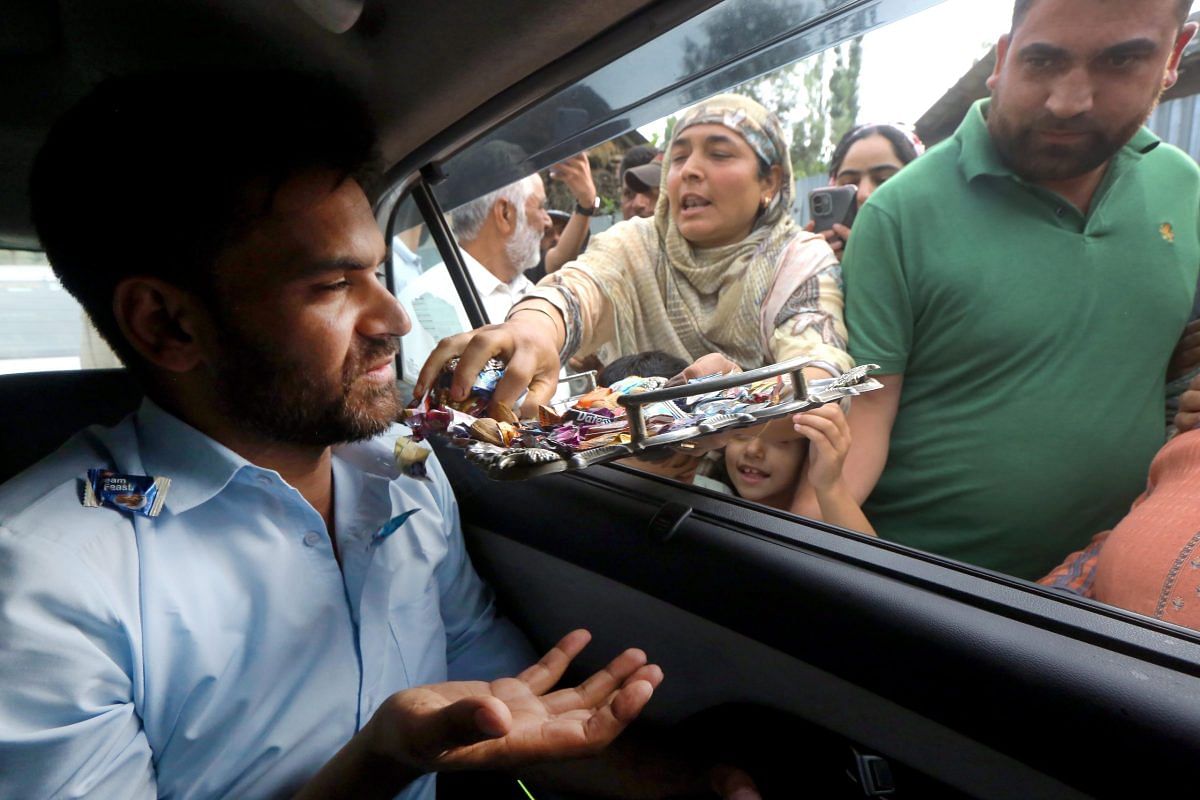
[[833, 664]]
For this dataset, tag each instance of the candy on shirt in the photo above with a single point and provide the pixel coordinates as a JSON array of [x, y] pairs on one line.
[[139, 494], [411, 457]]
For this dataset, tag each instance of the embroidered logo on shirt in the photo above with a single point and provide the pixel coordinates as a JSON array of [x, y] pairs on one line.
[[393, 525], [1167, 232]]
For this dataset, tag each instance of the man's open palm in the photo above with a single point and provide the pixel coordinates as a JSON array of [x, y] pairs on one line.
[[514, 721]]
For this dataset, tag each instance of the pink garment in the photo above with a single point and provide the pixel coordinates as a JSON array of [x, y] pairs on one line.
[[1150, 562]]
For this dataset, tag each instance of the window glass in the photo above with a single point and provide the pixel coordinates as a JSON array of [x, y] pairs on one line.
[[41, 325], [857, 95]]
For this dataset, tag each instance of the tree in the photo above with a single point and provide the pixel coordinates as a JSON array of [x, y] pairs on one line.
[[816, 99]]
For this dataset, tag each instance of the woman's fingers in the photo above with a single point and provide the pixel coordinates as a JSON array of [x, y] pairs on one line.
[[445, 350]]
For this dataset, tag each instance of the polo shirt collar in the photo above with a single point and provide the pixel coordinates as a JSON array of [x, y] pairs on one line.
[[199, 467], [486, 283], [978, 156]]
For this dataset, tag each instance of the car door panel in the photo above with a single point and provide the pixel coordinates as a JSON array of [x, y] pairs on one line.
[[1045, 686]]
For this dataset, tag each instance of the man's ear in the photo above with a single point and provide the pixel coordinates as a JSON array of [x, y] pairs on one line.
[[1001, 55], [1181, 41], [160, 320], [504, 214]]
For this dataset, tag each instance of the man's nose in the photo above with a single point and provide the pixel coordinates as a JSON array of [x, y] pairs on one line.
[[384, 315], [1071, 95]]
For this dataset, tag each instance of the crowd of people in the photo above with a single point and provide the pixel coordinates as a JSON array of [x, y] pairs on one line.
[[1026, 288], [1022, 287]]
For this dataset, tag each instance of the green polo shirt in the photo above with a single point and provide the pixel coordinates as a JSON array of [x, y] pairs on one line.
[[1033, 341]]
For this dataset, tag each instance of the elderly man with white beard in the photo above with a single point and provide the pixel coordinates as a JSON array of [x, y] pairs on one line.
[[499, 236]]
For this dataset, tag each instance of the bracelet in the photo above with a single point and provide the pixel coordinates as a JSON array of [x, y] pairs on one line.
[[516, 310]]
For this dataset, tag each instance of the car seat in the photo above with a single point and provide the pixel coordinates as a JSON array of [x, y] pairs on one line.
[[41, 410]]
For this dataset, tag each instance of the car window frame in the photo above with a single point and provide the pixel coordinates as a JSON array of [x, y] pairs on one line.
[[1052, 609]]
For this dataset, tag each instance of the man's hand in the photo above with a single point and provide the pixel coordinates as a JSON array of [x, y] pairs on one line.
[[1186, 357], [1189, 407], [835, 237], [828, 434], [514, 721], [528, 343], [576, 173]]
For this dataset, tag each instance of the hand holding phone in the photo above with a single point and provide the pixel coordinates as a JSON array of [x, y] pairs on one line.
[[833, 205]]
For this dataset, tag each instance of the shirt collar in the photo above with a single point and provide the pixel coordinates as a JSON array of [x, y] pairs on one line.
[[199, 467], [486, 283], [978, 156]]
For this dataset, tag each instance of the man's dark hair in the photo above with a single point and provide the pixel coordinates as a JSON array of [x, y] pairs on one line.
[[636, 156], [155, 175], [1021, 8], [650, 364]]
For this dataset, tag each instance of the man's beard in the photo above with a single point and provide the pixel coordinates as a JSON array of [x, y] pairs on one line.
[[524, 247], [281, 400], [1016, 142]]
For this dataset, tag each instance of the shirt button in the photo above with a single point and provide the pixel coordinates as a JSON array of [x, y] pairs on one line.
[[265, 480], [1060, 211], [312, 539]]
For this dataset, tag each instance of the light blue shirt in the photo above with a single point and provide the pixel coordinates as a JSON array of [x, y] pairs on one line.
[[218, 650]]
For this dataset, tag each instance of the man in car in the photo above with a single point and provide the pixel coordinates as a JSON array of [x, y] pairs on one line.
[[1023, 286], [299, 618]]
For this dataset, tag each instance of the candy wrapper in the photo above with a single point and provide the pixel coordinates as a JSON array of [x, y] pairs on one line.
[[411, 457], [137, 494], [627, 418]]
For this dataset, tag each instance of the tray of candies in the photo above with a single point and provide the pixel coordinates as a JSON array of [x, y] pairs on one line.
[[607, 423]]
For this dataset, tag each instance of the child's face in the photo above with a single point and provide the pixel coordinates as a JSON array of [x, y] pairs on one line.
[[762, 469]]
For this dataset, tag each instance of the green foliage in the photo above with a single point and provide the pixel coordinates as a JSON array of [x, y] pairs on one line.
[[816, 100]]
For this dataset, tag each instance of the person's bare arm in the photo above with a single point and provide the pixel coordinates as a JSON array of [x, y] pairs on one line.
[[828, 434], [871, 418], [576, 173]]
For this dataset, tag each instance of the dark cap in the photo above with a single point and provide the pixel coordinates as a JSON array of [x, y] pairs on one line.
[[645, 177]]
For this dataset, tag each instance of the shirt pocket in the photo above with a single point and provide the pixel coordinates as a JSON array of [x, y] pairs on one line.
[[419, 638]]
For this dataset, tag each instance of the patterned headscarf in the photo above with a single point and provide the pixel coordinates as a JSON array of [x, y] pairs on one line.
[[664, 294], [717, 292]]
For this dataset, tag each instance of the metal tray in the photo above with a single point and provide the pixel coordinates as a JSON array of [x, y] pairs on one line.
[[521, 463]]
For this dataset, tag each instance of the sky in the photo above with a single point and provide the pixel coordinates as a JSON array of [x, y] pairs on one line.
[[909, 64]]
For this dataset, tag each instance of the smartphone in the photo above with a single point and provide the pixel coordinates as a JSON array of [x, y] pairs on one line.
[[829, 205]]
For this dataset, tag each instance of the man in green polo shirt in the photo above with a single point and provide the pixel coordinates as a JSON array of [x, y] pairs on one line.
[[1023, 285]]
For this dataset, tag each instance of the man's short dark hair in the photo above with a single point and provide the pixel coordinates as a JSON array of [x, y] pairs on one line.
[[155, 175], [1021, 8], [636, 156], [650, 364]]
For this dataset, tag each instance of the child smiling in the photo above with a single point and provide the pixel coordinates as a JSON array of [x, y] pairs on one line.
[[767, 466]]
